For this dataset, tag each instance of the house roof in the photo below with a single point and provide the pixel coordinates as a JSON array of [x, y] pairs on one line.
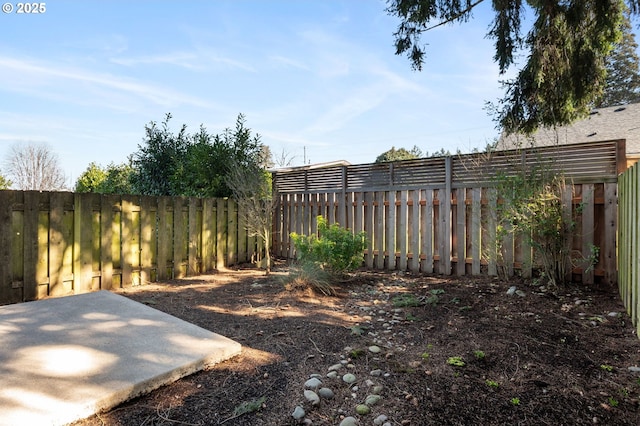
[[617, 122]]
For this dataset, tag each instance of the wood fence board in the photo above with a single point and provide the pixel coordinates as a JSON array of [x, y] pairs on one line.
[[390, 233], [193, 238], [148, 240], [30, 244], [379, 229], [7, 292], [106, 242], [232, 232], [427, 232], [476, 242], [461, 226], [208, 234], [221, 237], [415, 231], [369, 227], [180, 237], [491, 224], [611, 225], [57, 243], [401, 231], [587, 236]]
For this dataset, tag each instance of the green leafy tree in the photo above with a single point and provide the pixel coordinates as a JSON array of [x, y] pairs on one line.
[[566, 51], [399, 154], [114, 179], [159, 161], [623, 76], [4, 182], [91, 179], [192, 164]]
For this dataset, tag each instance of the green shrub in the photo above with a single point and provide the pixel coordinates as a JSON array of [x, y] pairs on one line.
[[336, 249]]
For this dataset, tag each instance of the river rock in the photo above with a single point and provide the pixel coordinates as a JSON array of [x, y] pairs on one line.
[[349, 421], [298, 413], [312, 383], [312, 397], [349, 378], [325, 393]]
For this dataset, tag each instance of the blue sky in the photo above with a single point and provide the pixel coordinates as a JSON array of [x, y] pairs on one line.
[[314, 77]]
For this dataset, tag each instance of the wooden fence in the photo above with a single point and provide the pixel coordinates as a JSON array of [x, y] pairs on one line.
[[629, 242], [60, 243], [439, 214]]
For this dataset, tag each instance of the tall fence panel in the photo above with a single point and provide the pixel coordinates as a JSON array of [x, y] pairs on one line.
[[61, 243], [439, 214], [629, 242]]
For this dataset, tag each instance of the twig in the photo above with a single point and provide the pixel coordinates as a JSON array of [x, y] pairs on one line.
[[166, 418], [316, 346]]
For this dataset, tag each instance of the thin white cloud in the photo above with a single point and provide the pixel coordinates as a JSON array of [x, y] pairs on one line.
[[201, 60], [289, 62], [54, 77]]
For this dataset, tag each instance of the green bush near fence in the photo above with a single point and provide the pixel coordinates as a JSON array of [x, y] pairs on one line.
[[324, 258], [335, 248]]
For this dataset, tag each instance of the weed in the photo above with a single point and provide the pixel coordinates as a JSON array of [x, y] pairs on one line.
[[492, 384], [406, 300], [357, 330], [515, 401], [357, 353], [246, 407], [479, 354], [455, 300], [613, 402], [456, 361], [606, 367], [411, 318], [434, 298], [309, 275], [425, 356]]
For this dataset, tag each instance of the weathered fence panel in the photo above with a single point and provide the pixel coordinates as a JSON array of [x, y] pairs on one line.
[[439, 214], [61, 243], [629, 242]]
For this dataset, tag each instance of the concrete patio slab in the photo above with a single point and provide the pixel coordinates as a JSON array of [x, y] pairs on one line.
[[64, 359]]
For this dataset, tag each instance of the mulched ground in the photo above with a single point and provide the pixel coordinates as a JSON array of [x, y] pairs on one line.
[[537, 359]]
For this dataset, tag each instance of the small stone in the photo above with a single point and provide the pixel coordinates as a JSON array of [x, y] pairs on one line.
[[312, 383], [634, 369], [374, 349], [317, 376], [369, 383], [298, 413], [349, 421], [511, 291], [349, 378], [376, 373], [379, 421], [521, 293], [355, 388], [332, 374], [372, 400], [335, 367], [363, 409], [325, 393], [613, 314], [312, 397]]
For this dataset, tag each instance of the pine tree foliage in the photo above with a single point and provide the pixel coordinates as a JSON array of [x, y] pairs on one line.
[[565, 49], [623, 73]]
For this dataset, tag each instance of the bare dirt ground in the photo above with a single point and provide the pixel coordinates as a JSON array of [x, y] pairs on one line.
[[529, 359]]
